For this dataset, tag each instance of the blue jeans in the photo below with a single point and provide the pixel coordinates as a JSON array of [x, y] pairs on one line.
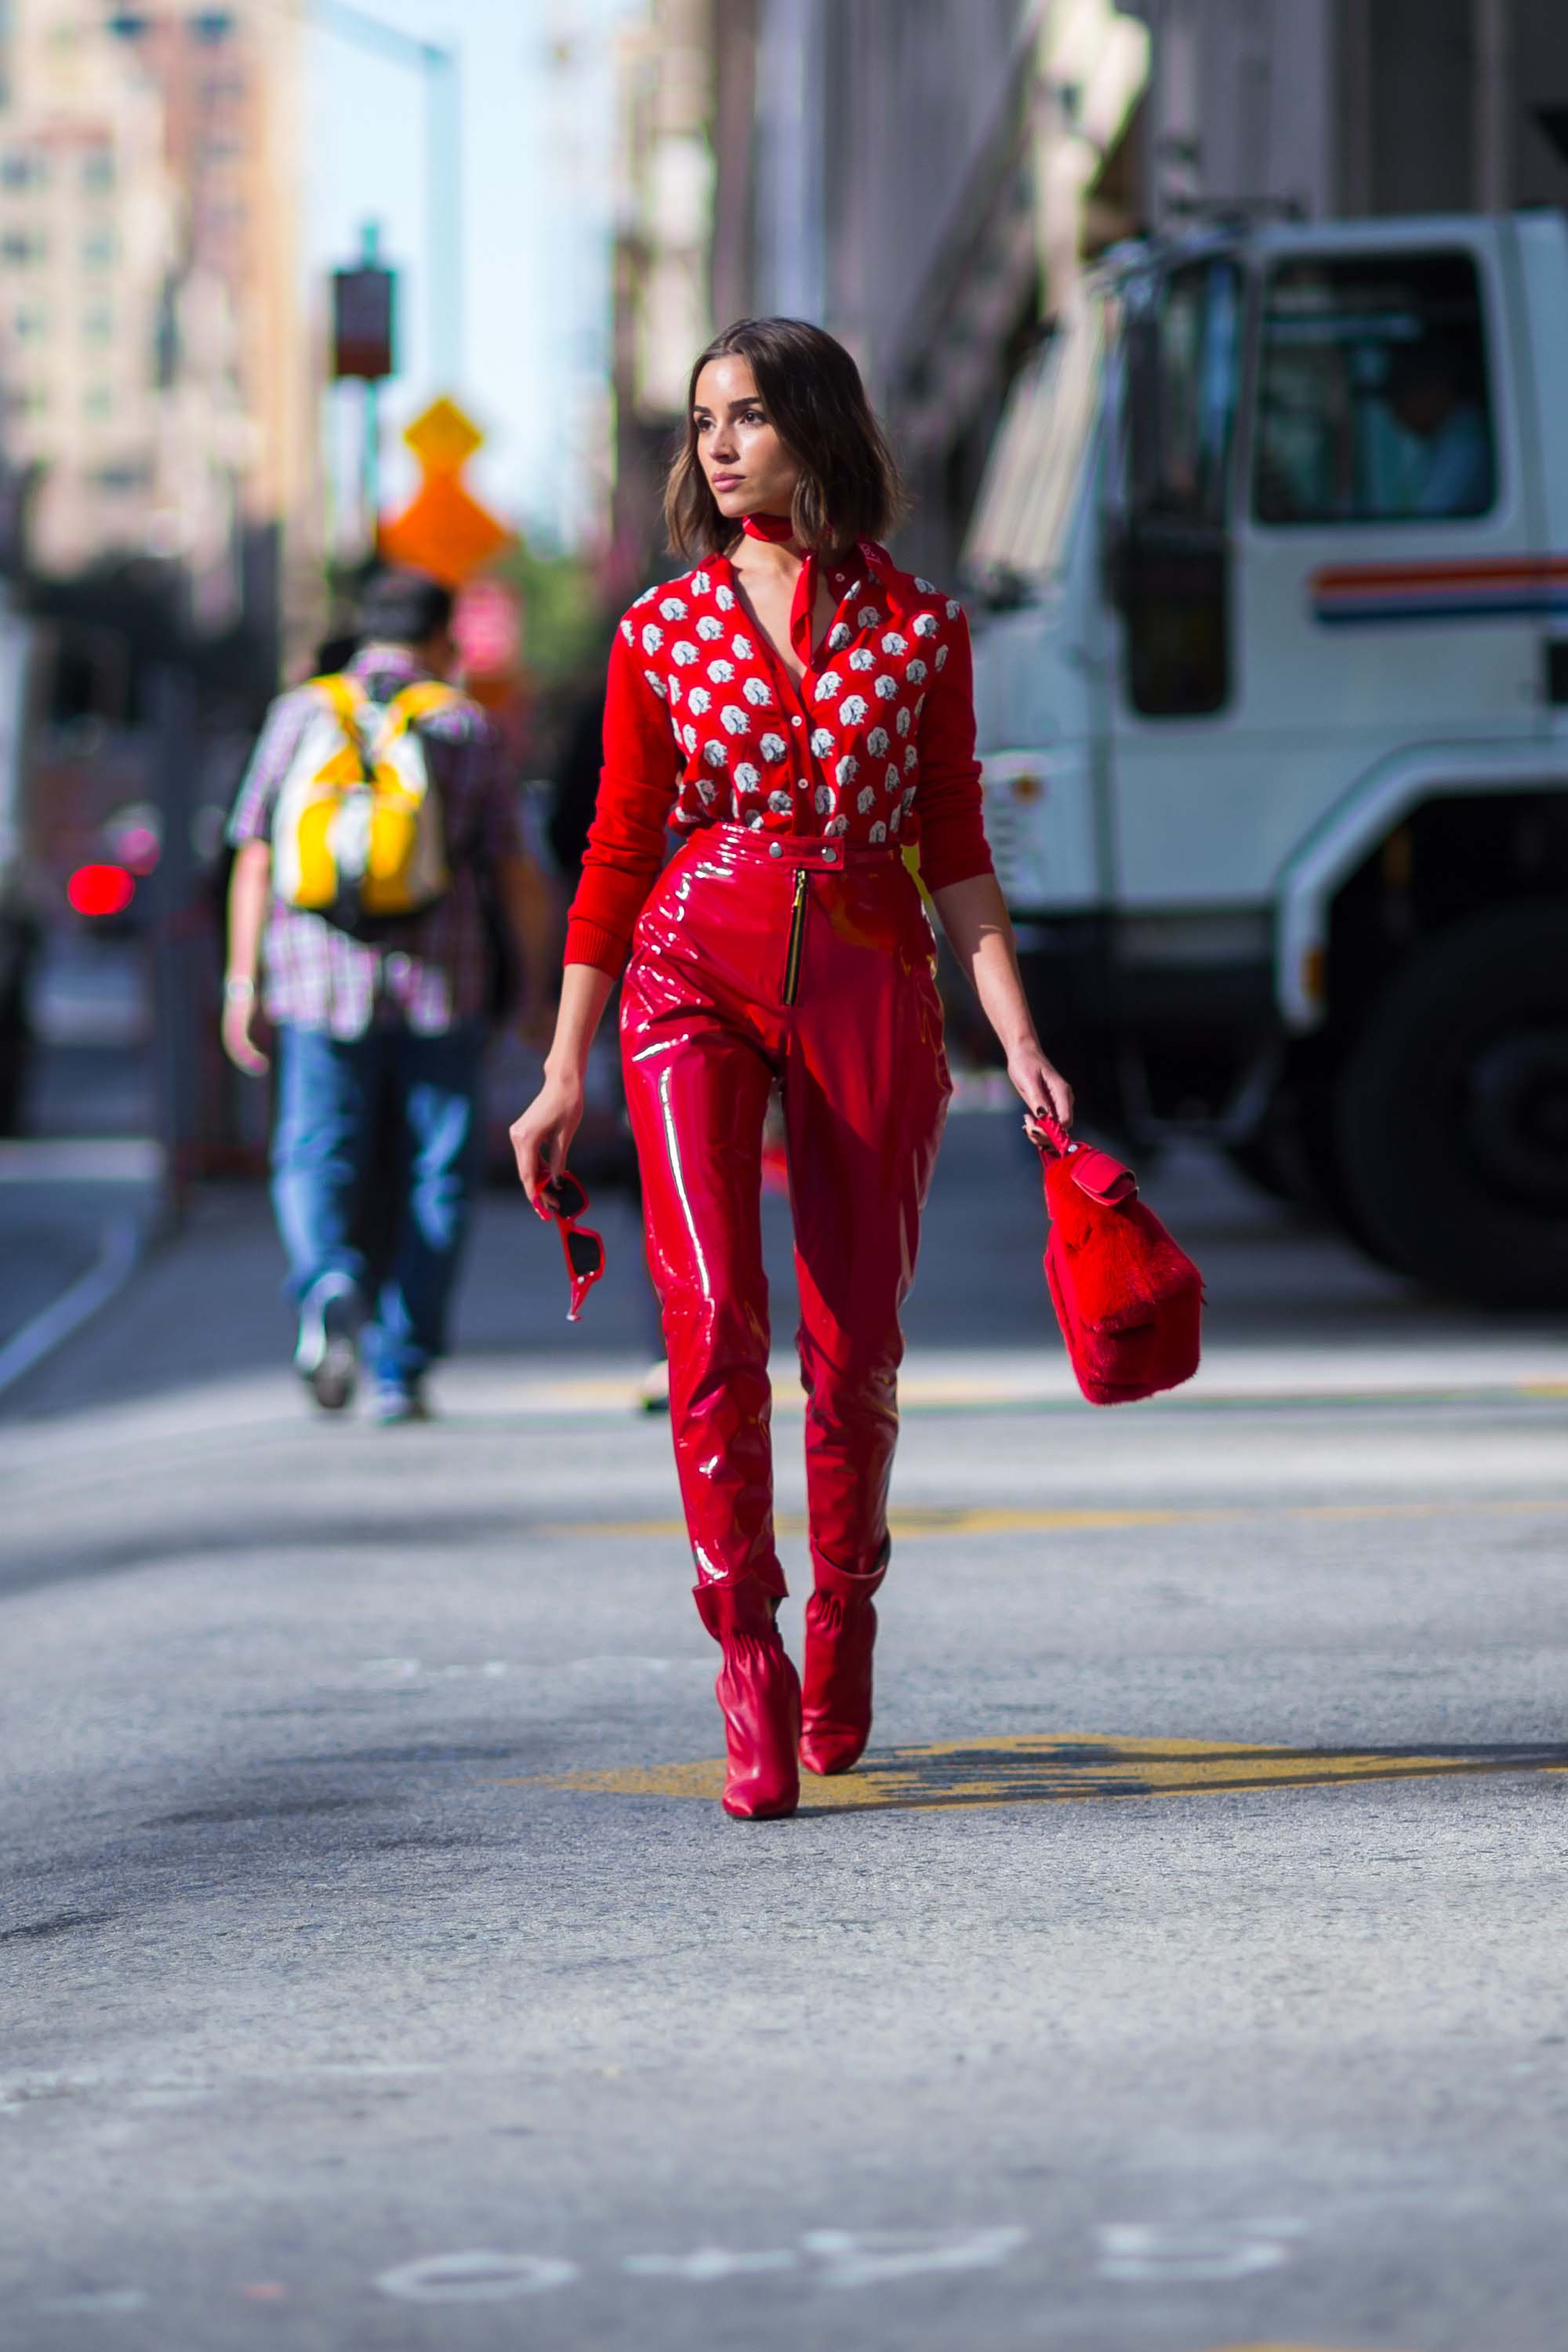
[[330, 1096]]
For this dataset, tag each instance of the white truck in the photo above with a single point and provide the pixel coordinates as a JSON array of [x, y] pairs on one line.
[[1272, 683]]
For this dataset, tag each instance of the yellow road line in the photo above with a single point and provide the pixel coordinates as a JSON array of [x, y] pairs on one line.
[[1056, 1768], [919, 1520]]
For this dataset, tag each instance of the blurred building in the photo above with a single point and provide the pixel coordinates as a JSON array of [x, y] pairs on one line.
[[663, 224], [920, 177], [927, 178], [1352, 106], [153, 343]]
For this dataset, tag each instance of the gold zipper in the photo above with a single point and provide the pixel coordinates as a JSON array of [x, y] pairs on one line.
[[796, 936]]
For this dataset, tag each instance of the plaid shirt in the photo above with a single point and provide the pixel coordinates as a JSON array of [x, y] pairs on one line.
[[433, 971]]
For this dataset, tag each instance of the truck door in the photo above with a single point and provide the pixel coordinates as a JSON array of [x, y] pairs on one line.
[[1386, 527], [1170, 571], [1367, 584]]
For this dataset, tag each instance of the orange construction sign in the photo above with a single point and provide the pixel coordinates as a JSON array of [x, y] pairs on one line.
[[444, 529]]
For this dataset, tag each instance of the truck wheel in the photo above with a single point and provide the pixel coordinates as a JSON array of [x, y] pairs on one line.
[[1452, 1112]]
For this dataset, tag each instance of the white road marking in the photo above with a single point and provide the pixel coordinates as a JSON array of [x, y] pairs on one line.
[[874, 2257], [475, 2277], [112, 2299], [1153, 2252], [708, 2262]]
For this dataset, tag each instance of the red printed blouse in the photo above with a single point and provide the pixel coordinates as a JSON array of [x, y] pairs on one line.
[[703, 725]]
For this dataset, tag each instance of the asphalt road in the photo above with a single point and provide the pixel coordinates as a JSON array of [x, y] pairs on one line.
[[1186, 1972]]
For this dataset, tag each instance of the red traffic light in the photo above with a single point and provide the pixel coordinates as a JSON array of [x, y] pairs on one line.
[[101, 889]]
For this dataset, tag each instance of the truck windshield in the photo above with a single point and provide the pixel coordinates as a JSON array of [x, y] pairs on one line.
[[1372, 401], [1183, 336], [1029, 495]]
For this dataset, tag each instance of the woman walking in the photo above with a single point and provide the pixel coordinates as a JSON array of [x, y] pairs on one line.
[[800, 709]]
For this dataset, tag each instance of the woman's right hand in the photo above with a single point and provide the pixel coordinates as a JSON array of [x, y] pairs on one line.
[[542, 1136]]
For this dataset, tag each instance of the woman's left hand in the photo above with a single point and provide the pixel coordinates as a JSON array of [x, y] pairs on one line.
[[1038, 1084]]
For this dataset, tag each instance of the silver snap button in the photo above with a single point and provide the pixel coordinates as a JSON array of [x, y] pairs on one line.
[[795, 722], [775, 849], [830, 857]]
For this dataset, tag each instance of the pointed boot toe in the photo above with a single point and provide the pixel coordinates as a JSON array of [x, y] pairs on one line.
[[835, 1706], [758, 1690]]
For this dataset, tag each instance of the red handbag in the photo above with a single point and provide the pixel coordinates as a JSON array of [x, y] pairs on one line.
[[1129, 1301]]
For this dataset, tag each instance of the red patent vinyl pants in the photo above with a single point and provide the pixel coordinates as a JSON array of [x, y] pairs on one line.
[[762, 960]]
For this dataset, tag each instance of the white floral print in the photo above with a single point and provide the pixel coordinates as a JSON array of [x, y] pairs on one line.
[[852, 766]]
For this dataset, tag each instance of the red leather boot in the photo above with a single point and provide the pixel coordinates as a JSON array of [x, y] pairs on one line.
[[841, 1632], [759, 1692]]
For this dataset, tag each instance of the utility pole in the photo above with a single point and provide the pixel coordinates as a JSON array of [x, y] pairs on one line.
[[1492, 39], [444, 169]]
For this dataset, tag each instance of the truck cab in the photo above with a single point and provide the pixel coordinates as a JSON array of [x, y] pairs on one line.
[[1271, 566]]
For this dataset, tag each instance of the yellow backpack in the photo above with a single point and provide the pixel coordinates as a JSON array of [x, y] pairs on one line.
[[357, 835]]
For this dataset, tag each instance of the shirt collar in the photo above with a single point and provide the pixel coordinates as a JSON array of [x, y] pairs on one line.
[[386, 661]]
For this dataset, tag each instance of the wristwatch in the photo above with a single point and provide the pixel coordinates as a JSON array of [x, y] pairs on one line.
[[237, 990]]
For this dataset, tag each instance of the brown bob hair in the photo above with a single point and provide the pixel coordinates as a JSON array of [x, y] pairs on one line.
[[849, 488]]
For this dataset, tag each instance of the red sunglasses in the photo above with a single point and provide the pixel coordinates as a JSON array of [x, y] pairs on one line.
[[563, 1199]]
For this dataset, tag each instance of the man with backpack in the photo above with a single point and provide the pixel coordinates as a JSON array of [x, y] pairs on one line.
[[375, 823]]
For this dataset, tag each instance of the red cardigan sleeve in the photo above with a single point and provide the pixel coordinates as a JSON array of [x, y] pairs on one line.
[[952, 829], [625, 841]]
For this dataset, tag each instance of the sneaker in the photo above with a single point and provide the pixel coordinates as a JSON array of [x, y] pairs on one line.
[[394, 1402], [325, 1356], [653, 1389]]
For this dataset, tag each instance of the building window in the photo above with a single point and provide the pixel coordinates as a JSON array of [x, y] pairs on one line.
[[98, 249], [16, 169], [98, 170], [99, 402], [18, 247], [98, 325], [1372, 403], [30, 323]]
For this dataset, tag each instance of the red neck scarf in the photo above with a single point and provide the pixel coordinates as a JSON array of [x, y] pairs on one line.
[[779, 530]]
